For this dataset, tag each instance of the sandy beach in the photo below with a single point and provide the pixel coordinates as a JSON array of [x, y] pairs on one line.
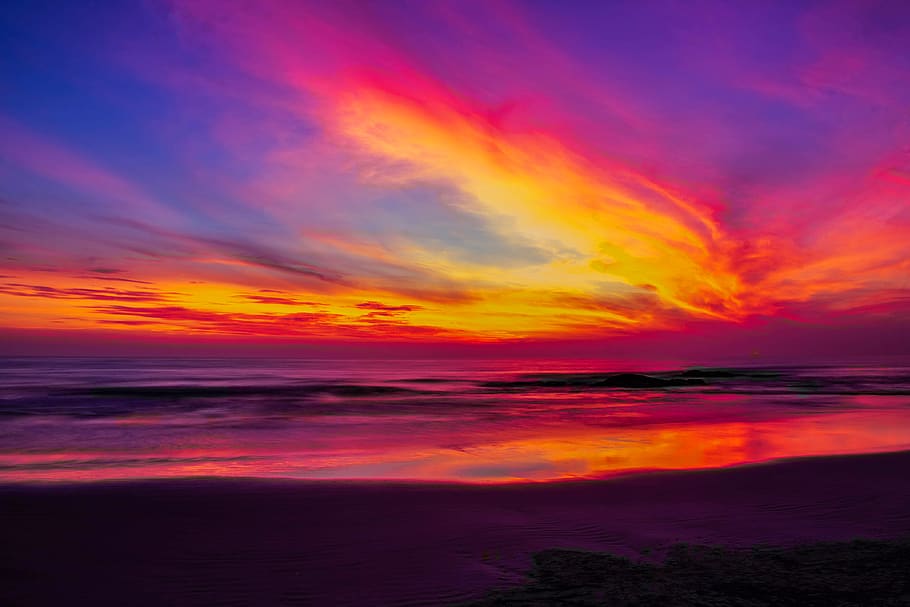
[[221, 542]]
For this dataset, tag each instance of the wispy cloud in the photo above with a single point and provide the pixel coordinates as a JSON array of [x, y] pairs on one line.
[[326, 170], [107, 294]]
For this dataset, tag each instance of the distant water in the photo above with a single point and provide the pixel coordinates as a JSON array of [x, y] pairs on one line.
[[64, 419]]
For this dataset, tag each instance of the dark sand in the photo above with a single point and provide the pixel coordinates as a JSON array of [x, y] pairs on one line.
[[248, 542]]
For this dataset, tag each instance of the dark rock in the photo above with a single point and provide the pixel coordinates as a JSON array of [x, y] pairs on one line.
[[862, 572]]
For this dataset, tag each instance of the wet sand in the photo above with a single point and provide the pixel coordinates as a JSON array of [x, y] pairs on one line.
[[243, 542]]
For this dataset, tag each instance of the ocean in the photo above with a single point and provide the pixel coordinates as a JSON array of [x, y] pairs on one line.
[[497, 421]]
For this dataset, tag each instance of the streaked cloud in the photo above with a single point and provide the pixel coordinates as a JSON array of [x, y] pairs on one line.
[[480, 171]]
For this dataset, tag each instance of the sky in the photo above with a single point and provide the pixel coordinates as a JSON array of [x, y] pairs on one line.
[[501, 177]]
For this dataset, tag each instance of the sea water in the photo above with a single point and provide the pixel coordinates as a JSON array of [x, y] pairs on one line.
[[88, 419]]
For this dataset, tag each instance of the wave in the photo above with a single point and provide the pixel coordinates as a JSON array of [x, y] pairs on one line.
[[597, 380], [197, 391], [89, 394], [97, 402], [719, 380]]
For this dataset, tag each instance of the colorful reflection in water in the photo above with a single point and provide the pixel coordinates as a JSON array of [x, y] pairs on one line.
[[81, 420]]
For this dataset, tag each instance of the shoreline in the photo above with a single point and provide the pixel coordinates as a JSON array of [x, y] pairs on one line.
[[279, 541], [205, 480]]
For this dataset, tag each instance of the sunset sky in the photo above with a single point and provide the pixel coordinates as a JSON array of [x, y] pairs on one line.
[[734, 174]]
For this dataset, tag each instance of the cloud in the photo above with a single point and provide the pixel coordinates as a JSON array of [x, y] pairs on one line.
[[116, 279], [636, 167], [51, 159], [375, 305], [107, 294], [312, 325], [281, 301]]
